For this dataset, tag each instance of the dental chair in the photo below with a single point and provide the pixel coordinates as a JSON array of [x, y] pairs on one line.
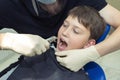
[[94, 70]]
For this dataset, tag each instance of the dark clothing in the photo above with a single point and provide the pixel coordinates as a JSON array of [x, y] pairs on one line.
[[21, 16], [45, 67]]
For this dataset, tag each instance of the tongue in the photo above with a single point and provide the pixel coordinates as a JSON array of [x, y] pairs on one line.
[[62, 46]]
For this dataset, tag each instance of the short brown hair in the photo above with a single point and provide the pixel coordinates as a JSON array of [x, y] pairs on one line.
[[90, 18]]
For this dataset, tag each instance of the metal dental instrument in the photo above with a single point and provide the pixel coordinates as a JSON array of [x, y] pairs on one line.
[[52, 39]]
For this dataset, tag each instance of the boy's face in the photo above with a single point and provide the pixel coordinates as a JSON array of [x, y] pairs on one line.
[[72, 35]]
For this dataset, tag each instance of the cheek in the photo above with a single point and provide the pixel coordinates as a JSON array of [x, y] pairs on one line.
[[75, 44], [78, 43]]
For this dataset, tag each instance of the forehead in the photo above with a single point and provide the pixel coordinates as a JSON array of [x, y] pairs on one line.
[[74, 21]]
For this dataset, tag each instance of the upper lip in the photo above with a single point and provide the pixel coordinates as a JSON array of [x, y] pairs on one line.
[[63, 39]]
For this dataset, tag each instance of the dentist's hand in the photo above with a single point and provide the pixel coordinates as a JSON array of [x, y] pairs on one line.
[[76, 59], [26, 44]]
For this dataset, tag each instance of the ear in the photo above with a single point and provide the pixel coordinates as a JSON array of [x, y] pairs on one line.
[[90, 43]]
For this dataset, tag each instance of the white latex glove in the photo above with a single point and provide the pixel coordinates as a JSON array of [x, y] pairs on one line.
[[76, 59], [25, 44]]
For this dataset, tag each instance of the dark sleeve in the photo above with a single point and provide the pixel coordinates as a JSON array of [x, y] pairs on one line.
[[97, 4], [38, 58]]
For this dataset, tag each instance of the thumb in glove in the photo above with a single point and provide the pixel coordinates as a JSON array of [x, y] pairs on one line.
[[76, 59]]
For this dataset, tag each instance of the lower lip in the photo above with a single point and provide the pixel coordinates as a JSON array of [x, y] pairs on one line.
[[60, 48]]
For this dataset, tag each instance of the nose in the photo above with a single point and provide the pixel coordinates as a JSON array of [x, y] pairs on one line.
[[66, 32]]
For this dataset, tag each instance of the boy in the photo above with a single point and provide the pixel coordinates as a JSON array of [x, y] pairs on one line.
[[84, 26]]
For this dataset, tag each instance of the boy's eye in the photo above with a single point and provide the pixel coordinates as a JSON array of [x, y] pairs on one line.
[[65, 25], [76, 31]]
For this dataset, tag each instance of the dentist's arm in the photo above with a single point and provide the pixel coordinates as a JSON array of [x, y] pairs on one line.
[[112, 43], [76, 59]]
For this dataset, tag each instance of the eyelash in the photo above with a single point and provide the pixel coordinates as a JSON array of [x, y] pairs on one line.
[[76, 32], [64, 25]]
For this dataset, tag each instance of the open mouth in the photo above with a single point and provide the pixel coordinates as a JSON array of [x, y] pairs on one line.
[[62, 44]]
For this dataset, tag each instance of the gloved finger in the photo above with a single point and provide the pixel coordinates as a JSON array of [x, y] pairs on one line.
[[47, 44], [30, 54], [38, 51], [60, 59], [61, 54], [63, 64], [72, 69], [43, 49]]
